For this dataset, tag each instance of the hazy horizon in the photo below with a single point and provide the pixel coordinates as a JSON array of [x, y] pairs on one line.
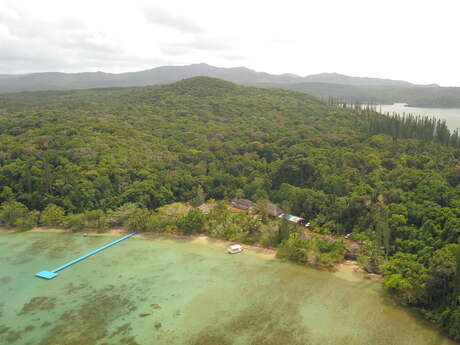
[[198, 63]]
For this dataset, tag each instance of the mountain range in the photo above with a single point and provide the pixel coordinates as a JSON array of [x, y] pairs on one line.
[[324, 85]]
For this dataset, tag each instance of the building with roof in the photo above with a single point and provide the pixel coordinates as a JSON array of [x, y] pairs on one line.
[[243, 204], [274, 210]]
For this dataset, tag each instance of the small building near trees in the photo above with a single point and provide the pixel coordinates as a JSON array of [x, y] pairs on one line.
[[243, 204], [273, 210]]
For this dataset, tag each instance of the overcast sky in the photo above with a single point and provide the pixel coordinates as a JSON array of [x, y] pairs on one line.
[[410, 40]]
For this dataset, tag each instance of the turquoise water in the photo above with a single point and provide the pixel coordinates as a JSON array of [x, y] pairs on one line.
[[452, 116], [156, 291]]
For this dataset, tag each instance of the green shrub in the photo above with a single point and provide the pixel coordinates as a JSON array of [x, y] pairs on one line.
[[269, 234], [28, 222], [53, 215], [199, 196], [293, 249], [120, 216], [158, 222], [314, 251], [450, 321], [371, 257], [76, 222], [406, 278], [94, 215], [193, 222], [11, 212], [97, 219], [137, 220]]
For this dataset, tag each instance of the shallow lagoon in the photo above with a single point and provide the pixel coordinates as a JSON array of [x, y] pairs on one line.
[[156, 291]]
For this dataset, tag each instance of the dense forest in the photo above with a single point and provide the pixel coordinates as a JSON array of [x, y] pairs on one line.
[[114, 156]]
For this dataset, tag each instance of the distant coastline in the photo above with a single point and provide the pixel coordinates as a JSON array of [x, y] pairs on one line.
[[450, 115]]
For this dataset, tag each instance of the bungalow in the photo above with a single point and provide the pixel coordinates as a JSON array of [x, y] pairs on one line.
[[274, 210], [243, 204]]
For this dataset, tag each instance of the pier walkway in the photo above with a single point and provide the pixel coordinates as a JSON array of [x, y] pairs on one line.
[[53, 273]]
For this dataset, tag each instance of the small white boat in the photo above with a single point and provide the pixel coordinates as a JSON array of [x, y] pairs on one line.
[[234, 249]]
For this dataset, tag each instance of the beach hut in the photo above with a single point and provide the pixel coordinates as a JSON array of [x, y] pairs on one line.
[[243, 204], [273, 210]]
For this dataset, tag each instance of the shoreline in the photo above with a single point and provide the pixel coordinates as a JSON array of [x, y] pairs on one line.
[[346, 268], [201, 238]]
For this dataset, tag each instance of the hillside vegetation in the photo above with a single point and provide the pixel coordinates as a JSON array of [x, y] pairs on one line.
[[108, 153]]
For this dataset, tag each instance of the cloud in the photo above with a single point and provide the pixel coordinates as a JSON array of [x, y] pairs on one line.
[[160, 16], [233, 57], [175, 51], [73, 56], [205, 43], [31, 44], [64, 33]]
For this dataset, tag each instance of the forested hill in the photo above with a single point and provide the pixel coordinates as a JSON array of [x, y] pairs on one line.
[[325, 85], [102, 148], [98, 150]]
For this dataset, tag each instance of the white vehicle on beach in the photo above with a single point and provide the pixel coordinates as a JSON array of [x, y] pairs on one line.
[[234, 249]]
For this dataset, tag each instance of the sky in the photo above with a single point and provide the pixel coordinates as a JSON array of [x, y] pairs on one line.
[[417, 41]]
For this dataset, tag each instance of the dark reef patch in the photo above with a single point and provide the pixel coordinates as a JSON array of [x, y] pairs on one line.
[[123, 330], [12, 336], [5, 280], [29, 328], [207, 338], [129, 341], [261, 322], [38, 303], [89, 323], [63, 246], [46, 324]]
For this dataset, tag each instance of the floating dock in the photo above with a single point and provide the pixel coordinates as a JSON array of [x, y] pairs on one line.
[[53, 273]]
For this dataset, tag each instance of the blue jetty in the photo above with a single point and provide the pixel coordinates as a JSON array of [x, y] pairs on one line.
[[53, 273]]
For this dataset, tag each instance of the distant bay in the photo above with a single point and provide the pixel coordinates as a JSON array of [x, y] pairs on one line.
[[452, 116]]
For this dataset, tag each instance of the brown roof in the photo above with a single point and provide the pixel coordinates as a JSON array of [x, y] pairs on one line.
[[243, 203], [274, 210]]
